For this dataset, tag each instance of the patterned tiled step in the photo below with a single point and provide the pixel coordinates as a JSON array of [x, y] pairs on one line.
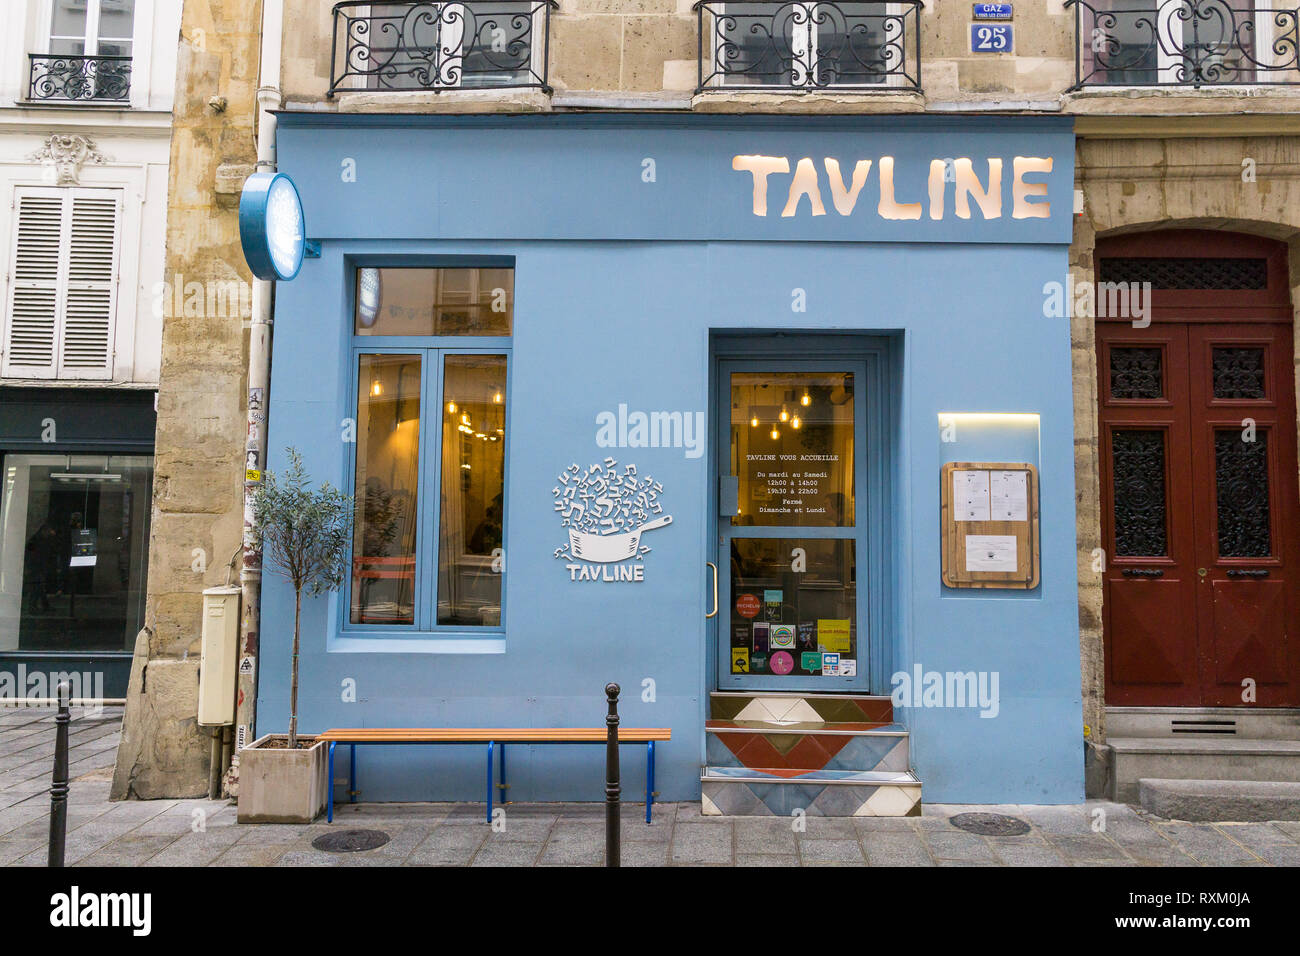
[[806, 746], [744, 791], [800, 708]]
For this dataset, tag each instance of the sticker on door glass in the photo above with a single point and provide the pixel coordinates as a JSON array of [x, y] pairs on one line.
[[807, 636], [833, 635], [781, 635], [740, 660], [760, 637], [810, 661], [781, 663], [772, 600], [747, 605]]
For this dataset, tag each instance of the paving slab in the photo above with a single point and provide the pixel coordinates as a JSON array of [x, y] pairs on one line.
[[897, 849], [702, 843], [1207, 845]]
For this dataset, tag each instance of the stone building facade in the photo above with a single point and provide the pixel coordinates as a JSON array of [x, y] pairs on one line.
[[1158, 149], [197, 506], [85, 124]]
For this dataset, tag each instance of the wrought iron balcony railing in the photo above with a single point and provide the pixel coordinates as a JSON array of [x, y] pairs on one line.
[[79, 78], [438, 47], [1184, 43], [784, 45]]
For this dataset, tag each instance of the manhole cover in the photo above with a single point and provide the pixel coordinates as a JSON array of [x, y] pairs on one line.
[[990, 824], [350, 841]]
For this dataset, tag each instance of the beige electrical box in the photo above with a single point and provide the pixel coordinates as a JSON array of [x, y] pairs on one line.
[[218, 664]]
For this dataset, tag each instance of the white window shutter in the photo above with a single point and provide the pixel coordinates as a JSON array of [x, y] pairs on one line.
[[34, 285], [87, 335], [63, 284]]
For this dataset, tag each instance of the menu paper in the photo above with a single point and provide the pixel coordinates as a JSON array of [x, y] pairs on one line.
[[991, 552], [1009, 495], [970, 495]]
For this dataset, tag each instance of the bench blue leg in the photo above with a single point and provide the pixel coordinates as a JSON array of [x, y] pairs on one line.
[[329, 789], [649, 778], [491, 744], [352, 774], [502, 768]]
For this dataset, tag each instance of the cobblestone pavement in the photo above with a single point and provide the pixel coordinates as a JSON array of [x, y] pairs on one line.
[[204, 832]]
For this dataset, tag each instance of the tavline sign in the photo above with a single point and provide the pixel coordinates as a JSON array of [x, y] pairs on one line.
[[605, 510], [1028, 199], [272, 228]]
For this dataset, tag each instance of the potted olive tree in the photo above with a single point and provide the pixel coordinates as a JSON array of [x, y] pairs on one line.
[[303, 535]]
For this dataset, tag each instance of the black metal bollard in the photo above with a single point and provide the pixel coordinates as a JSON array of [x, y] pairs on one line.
[[613, 822], [59, 788]]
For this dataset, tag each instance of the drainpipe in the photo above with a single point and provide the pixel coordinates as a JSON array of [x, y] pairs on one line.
[[259, 381]]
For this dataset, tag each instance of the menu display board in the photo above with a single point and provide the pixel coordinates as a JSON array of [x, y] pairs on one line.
[[989, 525]]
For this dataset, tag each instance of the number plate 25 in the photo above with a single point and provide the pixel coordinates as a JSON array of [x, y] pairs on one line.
[[990, 38]]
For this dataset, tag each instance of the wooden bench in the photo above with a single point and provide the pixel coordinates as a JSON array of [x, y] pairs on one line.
[[496, 739]]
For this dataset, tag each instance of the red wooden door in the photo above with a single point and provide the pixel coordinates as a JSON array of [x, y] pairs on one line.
[[1199, 486], [1244, 492]]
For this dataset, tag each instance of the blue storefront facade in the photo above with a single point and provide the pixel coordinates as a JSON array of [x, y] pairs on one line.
[[610, 316]]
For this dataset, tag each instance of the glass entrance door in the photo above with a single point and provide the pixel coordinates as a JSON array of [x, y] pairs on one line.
[[791, 526]]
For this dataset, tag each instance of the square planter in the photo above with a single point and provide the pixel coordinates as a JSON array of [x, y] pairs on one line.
[[277, 785]]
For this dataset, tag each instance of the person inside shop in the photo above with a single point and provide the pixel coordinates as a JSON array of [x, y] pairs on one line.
[[42, 567], [488, 533]]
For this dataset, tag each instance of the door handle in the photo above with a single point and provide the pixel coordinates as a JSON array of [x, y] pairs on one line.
[[714, 612]]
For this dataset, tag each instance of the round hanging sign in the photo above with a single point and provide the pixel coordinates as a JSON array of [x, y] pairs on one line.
[[272, 228]]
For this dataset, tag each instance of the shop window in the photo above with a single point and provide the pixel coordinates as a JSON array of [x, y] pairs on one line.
[[428, 544], [74, 538], [387, 486], [63, 286], [435, 302], [473, 490]]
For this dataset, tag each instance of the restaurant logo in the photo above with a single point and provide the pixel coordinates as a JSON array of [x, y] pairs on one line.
[[605, 512], [1029, 198]]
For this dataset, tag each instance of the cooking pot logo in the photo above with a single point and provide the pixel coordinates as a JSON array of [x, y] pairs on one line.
[[606, 512]]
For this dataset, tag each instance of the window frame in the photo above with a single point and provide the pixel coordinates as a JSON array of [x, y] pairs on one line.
[[805, 61], [142, 27], [432, 351], [458, 56], [1170, 61]]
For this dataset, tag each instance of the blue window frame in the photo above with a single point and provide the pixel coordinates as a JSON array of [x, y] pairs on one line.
[[428, 550]]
